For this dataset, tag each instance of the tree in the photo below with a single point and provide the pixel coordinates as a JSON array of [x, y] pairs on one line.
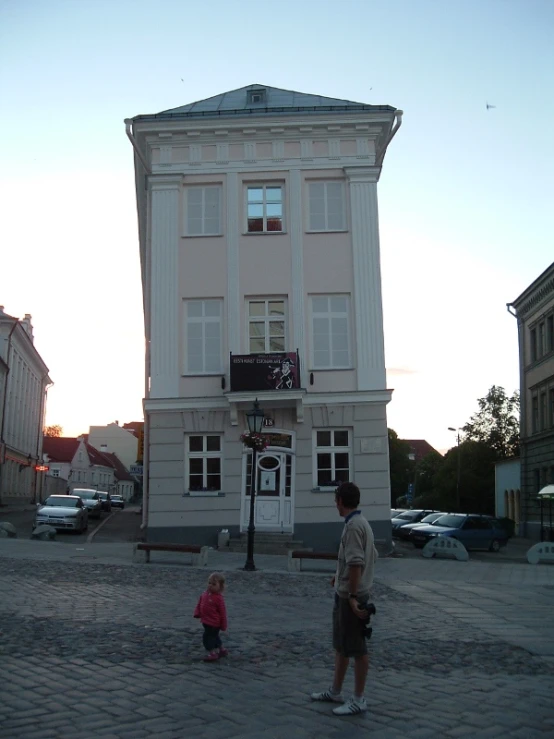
[[401, 466], [53, 430], [496, 423]]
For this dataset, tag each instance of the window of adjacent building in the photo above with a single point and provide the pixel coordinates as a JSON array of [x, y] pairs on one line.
[[331, 457], [541, 344], [543, 412], [55, 473], [203, 463], [203, 336], [533, 338], [550, 333], [326, 206], [256, 97], [266, 326], [330, 332], [203, 211], [551, 408], [264, 208], [535, 414]]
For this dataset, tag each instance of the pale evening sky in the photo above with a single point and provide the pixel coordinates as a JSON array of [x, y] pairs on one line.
[[465, 197]]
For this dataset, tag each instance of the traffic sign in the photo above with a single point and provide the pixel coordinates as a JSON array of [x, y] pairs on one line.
[[136, 469], [410, 494]]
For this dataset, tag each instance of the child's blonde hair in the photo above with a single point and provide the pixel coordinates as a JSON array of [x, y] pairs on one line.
[[219, 577]]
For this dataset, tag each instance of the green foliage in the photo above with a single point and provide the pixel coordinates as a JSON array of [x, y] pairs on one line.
[[401, 466], [496, 423]]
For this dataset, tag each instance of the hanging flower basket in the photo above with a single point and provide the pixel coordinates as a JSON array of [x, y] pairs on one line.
[[254, 441]]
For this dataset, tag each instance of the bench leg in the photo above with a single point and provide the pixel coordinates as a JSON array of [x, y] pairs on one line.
[[201, 559], [293, 565], [140, 556]]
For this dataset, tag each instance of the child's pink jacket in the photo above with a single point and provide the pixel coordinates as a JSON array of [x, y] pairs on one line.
[[211, 610]]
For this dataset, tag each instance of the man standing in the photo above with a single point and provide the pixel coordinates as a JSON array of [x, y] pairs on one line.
[[352, 582]]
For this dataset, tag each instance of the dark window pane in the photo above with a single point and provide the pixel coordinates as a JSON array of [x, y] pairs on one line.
[[213, 443], [341, 461], [324, 478], [341, 438], [196, 466], [214, 482], [324, 462], [196, 443], [255, 225], [195, 482], [213, 466], [274, 224], [324, 438], [341, 475]]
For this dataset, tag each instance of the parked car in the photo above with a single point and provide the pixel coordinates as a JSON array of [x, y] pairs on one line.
[[404, 531], [105, 501], [394, 512], [473, 530], [63, 512], [91, 499], [117, 501], [405, 517]]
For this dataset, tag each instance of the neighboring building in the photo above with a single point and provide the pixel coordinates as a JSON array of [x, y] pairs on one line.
[[78, 462], [259, 244], [120, 441], [534, 310], [24, 382], [419, 449], [125, 482], [507, 493]]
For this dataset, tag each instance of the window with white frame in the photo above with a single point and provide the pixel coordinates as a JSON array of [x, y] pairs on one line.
[[331, 457], [203, 463], [266, 326], [203, 336], [327, 212], [203, 211], [330, 332], [55, 473], [264, 208]]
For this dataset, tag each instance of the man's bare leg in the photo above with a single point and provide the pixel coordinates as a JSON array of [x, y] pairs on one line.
[[361, 667], [341, 665]]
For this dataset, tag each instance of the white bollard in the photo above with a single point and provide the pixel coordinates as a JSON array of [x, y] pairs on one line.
[[445, 546]]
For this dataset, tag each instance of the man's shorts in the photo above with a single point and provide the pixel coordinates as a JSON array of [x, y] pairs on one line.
[[348, 639]]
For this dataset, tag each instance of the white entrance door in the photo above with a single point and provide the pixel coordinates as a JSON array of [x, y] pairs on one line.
[[273, 502]]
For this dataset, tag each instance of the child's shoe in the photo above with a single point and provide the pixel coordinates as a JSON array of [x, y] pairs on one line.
[[211, 657], [223, 652]]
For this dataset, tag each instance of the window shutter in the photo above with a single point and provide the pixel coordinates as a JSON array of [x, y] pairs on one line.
[[194, 211], [317, 206]]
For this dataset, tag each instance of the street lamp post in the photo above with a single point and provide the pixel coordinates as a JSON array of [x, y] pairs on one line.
[[457, 432], [255, 421]]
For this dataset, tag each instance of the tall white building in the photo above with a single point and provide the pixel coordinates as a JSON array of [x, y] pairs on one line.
[[259, 244], [24, 381]]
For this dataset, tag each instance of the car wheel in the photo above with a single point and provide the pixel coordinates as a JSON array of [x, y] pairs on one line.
[[495, 546]]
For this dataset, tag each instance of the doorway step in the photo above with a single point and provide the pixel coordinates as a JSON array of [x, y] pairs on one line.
[[266, 542]]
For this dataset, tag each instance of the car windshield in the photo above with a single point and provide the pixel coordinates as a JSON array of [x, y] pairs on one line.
[[451, 521], [408, 515], [103, 495], [431, 517], [65, 502], [116, 497], [86, 494]]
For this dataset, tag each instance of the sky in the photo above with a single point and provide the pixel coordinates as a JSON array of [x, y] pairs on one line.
[[465, 197]]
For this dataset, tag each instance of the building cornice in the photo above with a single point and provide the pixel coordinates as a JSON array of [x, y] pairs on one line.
[[539, 290]]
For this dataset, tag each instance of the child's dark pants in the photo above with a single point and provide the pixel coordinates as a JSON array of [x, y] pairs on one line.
[[210, 638]]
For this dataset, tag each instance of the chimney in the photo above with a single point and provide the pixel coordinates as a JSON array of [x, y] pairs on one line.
[[27, 325]]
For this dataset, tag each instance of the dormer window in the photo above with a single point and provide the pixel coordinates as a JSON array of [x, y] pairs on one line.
[[256, 97]]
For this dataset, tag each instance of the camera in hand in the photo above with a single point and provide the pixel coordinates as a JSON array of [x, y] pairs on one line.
[[371, 611]]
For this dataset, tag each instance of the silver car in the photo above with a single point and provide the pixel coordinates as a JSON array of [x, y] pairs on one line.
[[91, 499], [63, 512]]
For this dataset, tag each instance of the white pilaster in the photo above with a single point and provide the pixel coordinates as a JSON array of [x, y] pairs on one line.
[[164, 288], [368, 306], [233, 284], [297, 266]]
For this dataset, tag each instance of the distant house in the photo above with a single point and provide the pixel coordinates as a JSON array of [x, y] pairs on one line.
[[125, 482], [119, 440], [419, 449], [78, 462]]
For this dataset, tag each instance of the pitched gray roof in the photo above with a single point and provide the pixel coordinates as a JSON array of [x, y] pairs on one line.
[[283, 102]]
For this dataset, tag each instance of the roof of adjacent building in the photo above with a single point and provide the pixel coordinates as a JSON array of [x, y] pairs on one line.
[[64, 448], [275, 100], [121, 472], [135, 427], [420, 448]]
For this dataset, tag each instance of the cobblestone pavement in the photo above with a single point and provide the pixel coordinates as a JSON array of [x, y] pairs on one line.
[[105, 650]]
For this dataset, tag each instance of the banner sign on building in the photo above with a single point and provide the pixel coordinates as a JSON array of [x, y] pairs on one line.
[[264, 372]]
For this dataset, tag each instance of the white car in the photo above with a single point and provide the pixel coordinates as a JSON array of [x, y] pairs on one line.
[[91, 499], [63, 512]]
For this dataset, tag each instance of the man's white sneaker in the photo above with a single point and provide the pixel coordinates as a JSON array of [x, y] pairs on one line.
[[352, 707], [327, 696]]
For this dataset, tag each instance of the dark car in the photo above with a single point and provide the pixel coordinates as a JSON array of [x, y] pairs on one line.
[[404, 531], [405, 517], [105, 500], [117, 501], [394, 512], [473, 530]]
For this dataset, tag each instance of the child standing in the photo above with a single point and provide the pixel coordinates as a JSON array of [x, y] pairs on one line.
[[211, 611]]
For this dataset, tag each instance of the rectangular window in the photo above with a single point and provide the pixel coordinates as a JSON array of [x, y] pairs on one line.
[[266, 326], [330, 332], [533, 344], [543, 412], [551, 409], [264, 208], [326, 206], [535, 414], [331, 457], [541, 340], [203, 463], [550, 333], [203, 336], [203, 211]]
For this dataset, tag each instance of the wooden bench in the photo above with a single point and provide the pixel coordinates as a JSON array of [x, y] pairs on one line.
[[295, 557], [199, 554]]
